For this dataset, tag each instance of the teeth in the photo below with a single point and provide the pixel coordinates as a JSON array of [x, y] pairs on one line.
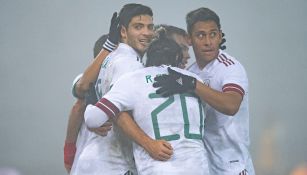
[[144, 41]]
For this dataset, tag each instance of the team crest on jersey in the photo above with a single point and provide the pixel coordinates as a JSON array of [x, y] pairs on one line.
[[105, 62]]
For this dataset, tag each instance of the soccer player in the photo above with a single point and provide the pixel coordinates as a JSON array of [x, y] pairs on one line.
[[226, 135], [112, 154], [77, 133], [169, 118]]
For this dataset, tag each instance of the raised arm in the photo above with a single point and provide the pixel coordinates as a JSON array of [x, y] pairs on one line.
[[91, 73]]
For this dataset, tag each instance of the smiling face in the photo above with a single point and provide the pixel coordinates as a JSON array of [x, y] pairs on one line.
[[205, 38], [139, 33]]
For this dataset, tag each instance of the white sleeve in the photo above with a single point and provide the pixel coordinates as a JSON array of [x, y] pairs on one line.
[[73, 89], [235, 79], [118, 99], [94, 117]]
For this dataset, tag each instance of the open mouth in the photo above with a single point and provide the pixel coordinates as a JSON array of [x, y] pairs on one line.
[[144, 42]]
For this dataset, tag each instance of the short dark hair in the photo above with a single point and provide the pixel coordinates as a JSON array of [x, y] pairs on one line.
[[171, 30], [163, 50], [131, 10], [201, 14], [99, 43]]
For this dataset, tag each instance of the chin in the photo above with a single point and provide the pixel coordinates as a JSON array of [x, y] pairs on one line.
[[140, 51]]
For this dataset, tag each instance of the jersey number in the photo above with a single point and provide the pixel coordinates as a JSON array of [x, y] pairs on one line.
[[167, 103]]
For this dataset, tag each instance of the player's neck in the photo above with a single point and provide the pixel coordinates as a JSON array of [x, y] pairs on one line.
[[202, 63]]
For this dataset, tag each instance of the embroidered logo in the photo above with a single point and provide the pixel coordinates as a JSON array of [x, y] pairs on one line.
[[179, 81]]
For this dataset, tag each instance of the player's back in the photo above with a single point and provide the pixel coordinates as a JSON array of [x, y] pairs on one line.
[[178, 119]]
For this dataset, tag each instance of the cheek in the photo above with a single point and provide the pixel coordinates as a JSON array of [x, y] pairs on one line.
[[218, 42], [196, 44]]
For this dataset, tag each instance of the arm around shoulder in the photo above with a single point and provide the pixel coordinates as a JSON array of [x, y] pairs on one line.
[[227, 103]]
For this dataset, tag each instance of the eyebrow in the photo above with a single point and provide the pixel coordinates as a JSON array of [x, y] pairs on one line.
[[138, 23], [212, 30]]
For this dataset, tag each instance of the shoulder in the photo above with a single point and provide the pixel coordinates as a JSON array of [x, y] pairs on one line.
[[193, 66], [125, 54], [124, 61], [228, 63], [186, 72], [134, 73], [226, 60], [124, 49], [125, 80]]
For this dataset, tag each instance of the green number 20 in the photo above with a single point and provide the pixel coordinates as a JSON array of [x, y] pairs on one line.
[[164, 105]]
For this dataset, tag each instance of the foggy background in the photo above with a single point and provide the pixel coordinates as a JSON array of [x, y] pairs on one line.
[[45, 44]]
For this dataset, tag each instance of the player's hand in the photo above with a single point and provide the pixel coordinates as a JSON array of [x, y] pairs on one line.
[[159, 149], [69, 155], [103, 130], [114, 34], [90, 95], [174, 83]]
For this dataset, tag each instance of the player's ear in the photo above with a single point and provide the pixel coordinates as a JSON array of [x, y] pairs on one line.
[[189, 40], [123, 33]]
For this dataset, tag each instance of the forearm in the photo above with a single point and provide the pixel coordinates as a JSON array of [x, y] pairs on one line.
[[90, 74], [227, 103], [132, 130], [73, 127], [74, 121]]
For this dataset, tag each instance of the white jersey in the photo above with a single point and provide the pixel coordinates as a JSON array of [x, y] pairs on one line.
[[178, 119], [83, 134], [111, 154], [226, 137]]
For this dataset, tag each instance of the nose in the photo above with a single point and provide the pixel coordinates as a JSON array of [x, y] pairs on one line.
[[207, 40], [148, 32]]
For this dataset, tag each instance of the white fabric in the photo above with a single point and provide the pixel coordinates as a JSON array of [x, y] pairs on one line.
[[226, 137], [94, 117], [111, 154], [181, 116], [73, 90], [84, 133]]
